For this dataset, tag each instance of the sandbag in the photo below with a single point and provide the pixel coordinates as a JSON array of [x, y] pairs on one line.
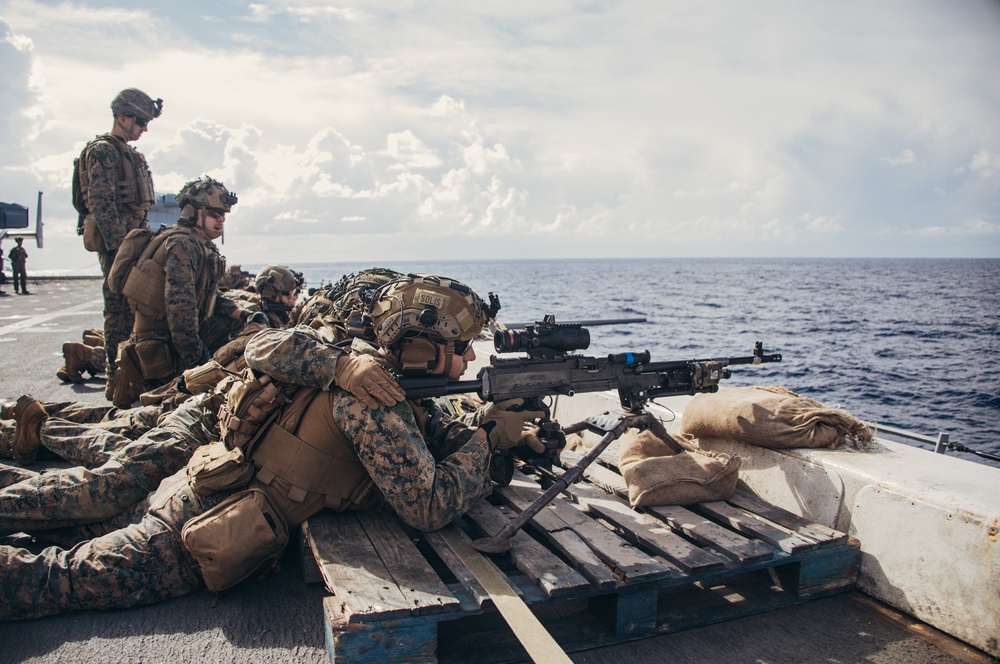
[[772, 417], [656, 474]]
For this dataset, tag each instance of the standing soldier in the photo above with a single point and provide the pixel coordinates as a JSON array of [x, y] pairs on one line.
[[18, 257], [173, 289], [112, 190]]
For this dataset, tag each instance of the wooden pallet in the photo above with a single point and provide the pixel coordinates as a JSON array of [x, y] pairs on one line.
[[595, 571]]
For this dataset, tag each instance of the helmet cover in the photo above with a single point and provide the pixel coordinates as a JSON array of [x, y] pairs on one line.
[[204, 193], [137, 104]]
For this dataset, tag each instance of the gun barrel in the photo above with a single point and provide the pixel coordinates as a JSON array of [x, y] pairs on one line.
[[587, 322]]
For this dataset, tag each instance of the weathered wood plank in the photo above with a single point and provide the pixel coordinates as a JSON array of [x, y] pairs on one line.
[[751, 524], [554, 577], [401, 641], [594, 549], [417, 581], [803, 526], [645, 530], [352, 568], [730, 544], [480, 598]]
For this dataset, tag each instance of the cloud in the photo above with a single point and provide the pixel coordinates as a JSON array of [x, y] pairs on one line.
[[907, 156], [985, 163]]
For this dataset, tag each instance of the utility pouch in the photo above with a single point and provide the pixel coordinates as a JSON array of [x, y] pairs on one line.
[[156, 359], [213, 468], [204, 377], [235, 538], [93, 239], [144, 289], [127, 383]]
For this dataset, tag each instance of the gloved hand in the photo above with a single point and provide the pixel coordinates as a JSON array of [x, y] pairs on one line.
[[365, 378], [257, 317], [508, 418]]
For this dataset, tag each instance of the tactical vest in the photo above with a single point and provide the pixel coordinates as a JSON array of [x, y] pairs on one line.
[[144, 285], [134, 183], [306, 452]]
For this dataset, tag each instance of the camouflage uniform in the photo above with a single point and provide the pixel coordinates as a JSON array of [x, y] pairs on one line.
[[144, 561], [218, 330], [188, 261], [113, 471], [113, 219]]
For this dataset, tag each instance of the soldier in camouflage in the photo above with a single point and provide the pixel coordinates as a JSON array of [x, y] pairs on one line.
[[176, 289], [274, 293], [115, 191], [427, 469]]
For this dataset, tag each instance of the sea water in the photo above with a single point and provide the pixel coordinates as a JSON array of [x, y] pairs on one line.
[[911, 343]]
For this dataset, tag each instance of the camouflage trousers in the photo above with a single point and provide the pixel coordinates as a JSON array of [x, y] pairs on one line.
[[130, 423], [114, 474], [118, 317], [136, 563]]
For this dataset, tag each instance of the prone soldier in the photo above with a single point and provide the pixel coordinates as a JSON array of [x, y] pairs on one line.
[[425, 468]]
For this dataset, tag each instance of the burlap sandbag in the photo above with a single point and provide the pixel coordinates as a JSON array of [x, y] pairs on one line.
[[771, 417], [658, 475]]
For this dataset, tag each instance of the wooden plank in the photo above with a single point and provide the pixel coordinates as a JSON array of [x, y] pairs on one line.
[[803, 526], [645, 530], [480, 598], [417, 581], [554, 577], [591, 547], [399, 641], [751, 524], [730, 544], [353, 570]]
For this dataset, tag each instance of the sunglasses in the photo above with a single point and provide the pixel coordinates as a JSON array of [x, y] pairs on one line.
[[142, 122], [218, 214], [462, 346]]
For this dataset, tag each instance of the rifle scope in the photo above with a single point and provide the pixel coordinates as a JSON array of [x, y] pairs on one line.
[[547, 340]]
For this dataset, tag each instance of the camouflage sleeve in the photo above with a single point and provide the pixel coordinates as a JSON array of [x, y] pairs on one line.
[[101, 199], [183, 260], [296, 355], [425, 494]]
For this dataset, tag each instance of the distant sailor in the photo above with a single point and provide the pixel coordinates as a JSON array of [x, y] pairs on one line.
[[18, 257], [112, 191]]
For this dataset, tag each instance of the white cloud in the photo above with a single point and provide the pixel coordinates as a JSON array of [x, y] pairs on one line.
[[694, 130], [906, 157]]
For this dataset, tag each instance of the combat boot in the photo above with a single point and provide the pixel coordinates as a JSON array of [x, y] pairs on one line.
[[7, 410], [77, 357], [93, 337], [29, 415]]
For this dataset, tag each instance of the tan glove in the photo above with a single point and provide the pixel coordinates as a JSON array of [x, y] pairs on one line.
[[365, 378], [508, 430]]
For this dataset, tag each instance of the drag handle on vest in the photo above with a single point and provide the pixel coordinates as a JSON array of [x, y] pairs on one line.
[[500, 542]]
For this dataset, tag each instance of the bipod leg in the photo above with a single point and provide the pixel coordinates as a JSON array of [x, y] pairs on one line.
[[500, 542]]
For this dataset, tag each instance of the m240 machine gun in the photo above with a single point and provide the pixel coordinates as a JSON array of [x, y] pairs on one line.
[[551, 369]]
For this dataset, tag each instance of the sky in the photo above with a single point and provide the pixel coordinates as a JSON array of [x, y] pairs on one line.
[[429, 130]]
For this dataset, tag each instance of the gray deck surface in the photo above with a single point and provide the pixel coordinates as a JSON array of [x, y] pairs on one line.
[[280, 619]]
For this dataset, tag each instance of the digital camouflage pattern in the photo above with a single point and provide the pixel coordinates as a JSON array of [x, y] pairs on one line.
[[396, 451], [137, 557], [186, 257], [114, 472], [137, 563], [338, 302], [114, 218]]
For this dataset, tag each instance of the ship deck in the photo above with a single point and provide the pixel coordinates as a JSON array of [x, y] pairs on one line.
[[282, 619]]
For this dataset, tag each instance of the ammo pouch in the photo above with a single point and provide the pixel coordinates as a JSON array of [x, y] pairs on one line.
[[204, 377], [235, 538], [251, 403], [156, 359], [127, 383], [213, 468], [143, 288], [93, 239]]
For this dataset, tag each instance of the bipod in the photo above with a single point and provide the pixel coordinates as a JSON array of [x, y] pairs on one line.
[[612, 429]]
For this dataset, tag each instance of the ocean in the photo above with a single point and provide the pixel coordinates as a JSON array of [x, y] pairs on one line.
[[910, 343]]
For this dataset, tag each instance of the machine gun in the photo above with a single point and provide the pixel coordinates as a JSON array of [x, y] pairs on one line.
[[551, 369]]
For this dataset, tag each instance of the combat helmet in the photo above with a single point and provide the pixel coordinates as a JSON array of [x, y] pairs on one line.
[[204, 193], [411, 315], [274, 280], [137, 104]]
